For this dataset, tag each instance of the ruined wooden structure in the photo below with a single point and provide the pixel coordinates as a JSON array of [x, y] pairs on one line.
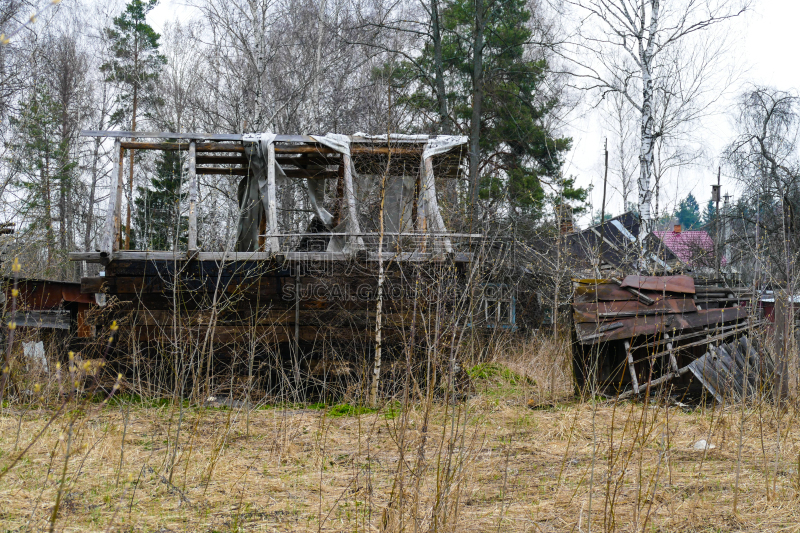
[[374, 217], [642, 332]]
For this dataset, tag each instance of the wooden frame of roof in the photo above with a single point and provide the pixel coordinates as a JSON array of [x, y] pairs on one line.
[[299, 156]]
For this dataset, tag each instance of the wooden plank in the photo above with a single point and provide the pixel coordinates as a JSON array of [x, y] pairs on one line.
[[93, 284], [137, 255], [89, 257], [593, 312], [303, 149], [192, 177], [200, 147], [161, 135], [118, 204], [221, 160], [107, 242], [222, 171]]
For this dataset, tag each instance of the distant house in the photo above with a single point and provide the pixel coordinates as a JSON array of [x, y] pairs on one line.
[[693, 248]]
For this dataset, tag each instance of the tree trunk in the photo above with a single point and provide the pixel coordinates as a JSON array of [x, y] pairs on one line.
[[130, 179], [441, 94], [477, 100], [48, 211], [648, 138]]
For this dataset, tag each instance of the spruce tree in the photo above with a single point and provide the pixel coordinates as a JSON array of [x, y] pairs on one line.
[[41, 161], [520, 157], [157, 222], [688, 213]]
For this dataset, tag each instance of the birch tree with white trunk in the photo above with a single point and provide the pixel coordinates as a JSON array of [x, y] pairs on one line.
[[626, 47]]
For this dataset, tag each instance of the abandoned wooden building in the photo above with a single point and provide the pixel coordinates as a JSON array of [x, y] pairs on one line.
[[327, 226]]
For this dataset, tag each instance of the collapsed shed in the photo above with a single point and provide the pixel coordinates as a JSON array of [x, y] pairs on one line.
[[647, 331]]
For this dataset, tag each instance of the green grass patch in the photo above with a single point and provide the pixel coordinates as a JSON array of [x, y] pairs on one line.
[[498, 372], [345, 409], [389, 412]]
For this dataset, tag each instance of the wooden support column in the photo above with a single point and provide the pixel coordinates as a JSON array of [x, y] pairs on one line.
[[672, 360], [631, 368], [192, 247], [272, 202], [109, 242]]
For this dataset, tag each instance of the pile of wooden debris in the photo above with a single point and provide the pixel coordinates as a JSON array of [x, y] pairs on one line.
[[646, 331]]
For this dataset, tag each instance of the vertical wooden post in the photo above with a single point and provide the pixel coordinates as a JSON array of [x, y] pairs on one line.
[[631, 367], [192, 246], [673, 362], [118, 210], [111, 231], [272, 202]]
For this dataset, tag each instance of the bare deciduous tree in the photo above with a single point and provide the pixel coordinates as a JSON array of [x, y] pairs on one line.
[[628, 47]]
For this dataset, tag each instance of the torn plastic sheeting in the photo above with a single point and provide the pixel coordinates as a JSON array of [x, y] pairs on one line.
[[350, 223], [442, 144], [253, 190]]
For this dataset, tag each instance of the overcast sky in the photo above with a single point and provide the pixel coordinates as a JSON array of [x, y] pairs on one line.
[[765, 53]]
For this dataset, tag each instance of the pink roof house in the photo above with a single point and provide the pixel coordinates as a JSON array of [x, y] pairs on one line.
[[694, 247]]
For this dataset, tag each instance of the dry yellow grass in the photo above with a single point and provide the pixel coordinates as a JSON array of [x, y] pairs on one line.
[[514, 469]]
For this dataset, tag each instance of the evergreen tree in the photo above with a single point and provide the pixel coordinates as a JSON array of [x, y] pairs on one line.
[[41, 160], [157, 223], [135, 67], [688, 213], [519, 155], [710, 213]]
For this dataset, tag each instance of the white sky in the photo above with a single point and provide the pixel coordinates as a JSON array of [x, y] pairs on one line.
[[764, 52]]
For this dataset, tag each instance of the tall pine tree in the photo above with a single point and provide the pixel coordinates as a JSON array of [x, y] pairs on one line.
[[485, 53], [135, 67]]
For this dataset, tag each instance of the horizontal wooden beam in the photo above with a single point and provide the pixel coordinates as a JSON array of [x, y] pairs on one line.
[[222, 160], [308, 159], [200, 147], [223, 171], [135, 255], [303, 149], [187, 136]]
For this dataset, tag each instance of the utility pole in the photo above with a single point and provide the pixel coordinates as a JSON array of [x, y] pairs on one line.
[[603, 209], [715, 196]]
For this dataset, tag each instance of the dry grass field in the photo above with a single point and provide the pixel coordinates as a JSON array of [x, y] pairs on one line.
[[490, 463]]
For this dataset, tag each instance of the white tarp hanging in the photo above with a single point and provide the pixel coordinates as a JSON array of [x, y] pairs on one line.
[[435, 146], [259, 190], [441, 144], [350, 224]]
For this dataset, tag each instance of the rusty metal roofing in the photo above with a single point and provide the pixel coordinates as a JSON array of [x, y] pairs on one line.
[[679, 284]]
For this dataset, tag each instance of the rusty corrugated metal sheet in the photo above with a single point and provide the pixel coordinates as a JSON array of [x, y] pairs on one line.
[[597, 312], [588, 332], [678, 284], [606, 292], [47, 294]]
